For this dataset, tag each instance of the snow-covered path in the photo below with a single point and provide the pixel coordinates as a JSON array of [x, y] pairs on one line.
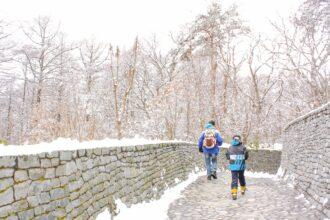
[[266, 198]]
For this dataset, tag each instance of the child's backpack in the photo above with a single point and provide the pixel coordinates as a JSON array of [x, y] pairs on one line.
[[209, 138]]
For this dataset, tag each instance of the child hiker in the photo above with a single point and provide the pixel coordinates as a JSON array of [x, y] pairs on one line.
[[237, 154]]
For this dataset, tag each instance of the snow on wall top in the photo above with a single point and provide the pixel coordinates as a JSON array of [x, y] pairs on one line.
[[68, 144], [313, 112]]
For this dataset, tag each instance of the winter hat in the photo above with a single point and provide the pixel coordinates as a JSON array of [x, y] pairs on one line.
[[212, 122], [237, 137], [209, 126]]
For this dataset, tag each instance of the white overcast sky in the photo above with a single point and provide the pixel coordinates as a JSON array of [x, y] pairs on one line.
[[119, 21]]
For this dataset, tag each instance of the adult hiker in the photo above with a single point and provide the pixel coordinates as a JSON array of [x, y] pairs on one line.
[[209, 144]]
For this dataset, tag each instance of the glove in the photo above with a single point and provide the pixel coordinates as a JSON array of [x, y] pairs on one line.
[[200, 150]]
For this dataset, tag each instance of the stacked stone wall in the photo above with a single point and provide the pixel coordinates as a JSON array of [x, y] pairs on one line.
[[80, 184], [306, 157]]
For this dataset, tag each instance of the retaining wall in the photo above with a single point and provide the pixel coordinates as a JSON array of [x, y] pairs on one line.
[[306, 157], [80, 184]]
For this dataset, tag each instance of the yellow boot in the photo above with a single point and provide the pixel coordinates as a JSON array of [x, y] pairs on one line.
[[243, 189], [234, 193]]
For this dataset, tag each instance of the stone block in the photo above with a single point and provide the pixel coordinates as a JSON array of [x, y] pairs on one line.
[[57, 193], [7, 162], [53, 154], [6, 196], [28, 161], [5, 211], [59, 213], [55, 162], [43, 198], [46, 217], [6, 183], [21, 190], [81, 153], [20, 206], [66, 155], [50, 173], [7, 172], [26, 215], [20, 175], [33, 201], [39, 186], [37, 173], [66, 169], [45, 163]]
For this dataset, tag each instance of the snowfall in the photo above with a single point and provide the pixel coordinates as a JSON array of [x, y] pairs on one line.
[[157, 209]]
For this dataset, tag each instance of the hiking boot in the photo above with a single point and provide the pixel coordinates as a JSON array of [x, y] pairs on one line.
[[214, 175], [234, 193], [209, 177], [243, 189]]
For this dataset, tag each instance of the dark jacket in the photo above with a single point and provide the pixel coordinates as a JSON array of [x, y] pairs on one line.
[[237, 156]]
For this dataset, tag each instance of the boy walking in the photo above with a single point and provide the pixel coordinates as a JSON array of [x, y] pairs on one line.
[[208, 144], [237, 154]]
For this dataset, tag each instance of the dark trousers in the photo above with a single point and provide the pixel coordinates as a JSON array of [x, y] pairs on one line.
[[235, 176]]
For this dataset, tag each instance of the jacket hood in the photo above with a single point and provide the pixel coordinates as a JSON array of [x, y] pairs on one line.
[[209, 126]]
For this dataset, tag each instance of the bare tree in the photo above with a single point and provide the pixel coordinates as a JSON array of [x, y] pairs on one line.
[[305, 54], [41, 55], [122, 83]]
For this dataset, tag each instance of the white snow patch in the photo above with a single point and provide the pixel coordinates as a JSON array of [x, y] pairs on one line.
[[290, 185], [278, 146], [69, 144], [271, 147], [105, 215], [325, 200], [259, 175], [280, 172], [155, 209], [176, 180], [224, 145], [301, 196]]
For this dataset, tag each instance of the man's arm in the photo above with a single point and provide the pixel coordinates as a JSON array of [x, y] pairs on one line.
[[200, 143], [219, 139]]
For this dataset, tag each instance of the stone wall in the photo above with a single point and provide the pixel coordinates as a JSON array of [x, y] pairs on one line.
[[262, 160], [80, 184], [306, 157]]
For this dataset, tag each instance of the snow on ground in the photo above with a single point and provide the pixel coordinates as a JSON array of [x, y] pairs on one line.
[[259, 175], [69, 144], [155, 209], [105, 215]]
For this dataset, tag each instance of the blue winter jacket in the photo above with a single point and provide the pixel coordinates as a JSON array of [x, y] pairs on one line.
[[237, 154], [216, 148]]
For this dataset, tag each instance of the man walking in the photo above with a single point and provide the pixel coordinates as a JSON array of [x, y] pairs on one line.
[[209, 144]]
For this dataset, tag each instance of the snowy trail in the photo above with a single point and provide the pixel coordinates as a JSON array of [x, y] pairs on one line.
[[266, 198], [155, 209]]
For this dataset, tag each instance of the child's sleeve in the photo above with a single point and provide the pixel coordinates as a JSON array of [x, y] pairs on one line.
[[246, 153], [227, 155]]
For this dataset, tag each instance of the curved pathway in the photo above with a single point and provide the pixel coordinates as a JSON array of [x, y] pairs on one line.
[[265, 198]]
